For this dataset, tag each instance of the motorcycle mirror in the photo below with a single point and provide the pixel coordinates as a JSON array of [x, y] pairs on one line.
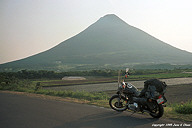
[[127, 69]]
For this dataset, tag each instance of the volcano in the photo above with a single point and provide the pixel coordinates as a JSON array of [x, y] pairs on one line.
[[109, 41]]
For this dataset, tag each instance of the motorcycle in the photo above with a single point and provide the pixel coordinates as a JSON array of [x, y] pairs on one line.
[[149, 100]]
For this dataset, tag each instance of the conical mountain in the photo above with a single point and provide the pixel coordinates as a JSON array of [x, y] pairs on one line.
[[109, 40]]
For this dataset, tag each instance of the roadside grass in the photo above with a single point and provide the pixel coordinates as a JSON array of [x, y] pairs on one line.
[[79, 95], [180, 111], [169, 112], [96, 98], [183, 108]]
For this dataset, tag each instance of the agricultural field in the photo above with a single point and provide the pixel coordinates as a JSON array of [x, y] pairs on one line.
[[179, 93], [89, 80], [110, 79], [174, 83]]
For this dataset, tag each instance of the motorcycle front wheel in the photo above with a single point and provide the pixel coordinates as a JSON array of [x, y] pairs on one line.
[[158, 111], [118, 103]]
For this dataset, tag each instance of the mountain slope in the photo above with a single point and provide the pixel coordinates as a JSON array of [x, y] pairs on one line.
[[110, 40]]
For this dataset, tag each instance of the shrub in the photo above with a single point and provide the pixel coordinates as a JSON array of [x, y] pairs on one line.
[[185, 108]]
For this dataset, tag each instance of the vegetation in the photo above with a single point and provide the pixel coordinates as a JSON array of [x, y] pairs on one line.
[[44, 74], [181, 111], [23, 81], [51, 78], [15, 84], [183, 108], [135, 73], [79, 95]]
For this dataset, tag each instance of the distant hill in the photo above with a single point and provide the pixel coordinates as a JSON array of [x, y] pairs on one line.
[[108, 42]]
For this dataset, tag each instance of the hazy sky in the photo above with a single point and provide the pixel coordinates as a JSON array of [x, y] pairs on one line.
[[28, 27]]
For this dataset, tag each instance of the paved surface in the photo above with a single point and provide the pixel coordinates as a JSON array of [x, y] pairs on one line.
[[113, 86], [19, 111]]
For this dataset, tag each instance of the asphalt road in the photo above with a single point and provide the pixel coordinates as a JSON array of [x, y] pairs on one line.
[[20, 111]]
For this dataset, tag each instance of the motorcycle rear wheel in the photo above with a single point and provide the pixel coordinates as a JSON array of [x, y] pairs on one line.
[[118, 103], [158, 111]]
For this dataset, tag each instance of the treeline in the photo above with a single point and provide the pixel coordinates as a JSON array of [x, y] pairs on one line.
[[44, 74]]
